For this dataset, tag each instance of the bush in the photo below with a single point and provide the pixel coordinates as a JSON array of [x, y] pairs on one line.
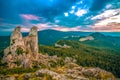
[[19, 50]]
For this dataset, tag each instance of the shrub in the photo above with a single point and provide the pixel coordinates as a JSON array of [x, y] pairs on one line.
[[19, 50]]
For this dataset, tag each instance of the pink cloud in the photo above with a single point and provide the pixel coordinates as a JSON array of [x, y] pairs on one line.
[[42, 26], [111, 23], [29, 17], [111, 27], [23, 29], [60, 28], [107, 14], [56, 27]]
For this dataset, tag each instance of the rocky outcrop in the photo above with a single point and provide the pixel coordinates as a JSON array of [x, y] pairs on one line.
[[86, 73], [86, 38], [16, 40], [62, 46], [70, 71], [22, 51], [54, 75]]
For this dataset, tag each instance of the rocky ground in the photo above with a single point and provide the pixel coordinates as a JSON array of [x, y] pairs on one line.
[[70, 71]]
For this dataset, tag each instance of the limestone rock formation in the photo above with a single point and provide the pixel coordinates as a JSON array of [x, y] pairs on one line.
[[16, 40], [31, 41], [22, 51], [86, 38]]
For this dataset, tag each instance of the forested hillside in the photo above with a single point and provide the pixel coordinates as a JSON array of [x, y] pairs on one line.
[[87, 55]]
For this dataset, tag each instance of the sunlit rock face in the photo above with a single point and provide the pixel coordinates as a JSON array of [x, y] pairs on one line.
[[31, 41], [16, 41], [16, 37], [22, 51]]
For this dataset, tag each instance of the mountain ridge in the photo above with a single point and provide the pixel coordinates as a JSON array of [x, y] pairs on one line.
[[105, 33], [49, 37]]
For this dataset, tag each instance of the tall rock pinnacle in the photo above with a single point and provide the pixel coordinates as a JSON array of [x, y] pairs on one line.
[[21, 50], [32, 41], [16, 39], [33, 31]]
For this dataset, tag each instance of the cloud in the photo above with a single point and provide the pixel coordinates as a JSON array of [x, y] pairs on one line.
[[108, 6], [43, 26], [24, 29], [72, 11], [10, 27], [61, 28], [29, 17], [112, 19], [57, 21], [108, 21], [73, 7], [66, 14], [106, 14], [80, 12], [111, 27]]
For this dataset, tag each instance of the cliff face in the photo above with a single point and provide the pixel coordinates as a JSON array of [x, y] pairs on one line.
[[22, 51]]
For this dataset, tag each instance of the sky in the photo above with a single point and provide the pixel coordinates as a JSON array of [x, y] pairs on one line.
[[63, 15]]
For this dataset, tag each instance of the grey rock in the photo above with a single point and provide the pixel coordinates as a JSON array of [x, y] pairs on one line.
[[22, 51]]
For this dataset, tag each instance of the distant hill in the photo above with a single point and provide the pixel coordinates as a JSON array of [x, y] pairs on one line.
[[50, 37], [4, 42], [100, 40]]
